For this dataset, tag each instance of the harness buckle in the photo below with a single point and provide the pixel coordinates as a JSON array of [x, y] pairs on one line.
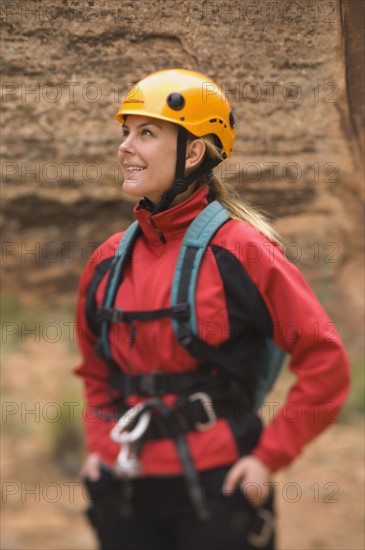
[[149, 383], [181, 311], [259, 540], [112, 315], [207, 404], [117, 315]]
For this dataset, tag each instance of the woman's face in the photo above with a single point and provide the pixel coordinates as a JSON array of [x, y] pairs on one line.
[[147, 156]]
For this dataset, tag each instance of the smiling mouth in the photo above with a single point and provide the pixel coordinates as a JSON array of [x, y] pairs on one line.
[[134, 168]]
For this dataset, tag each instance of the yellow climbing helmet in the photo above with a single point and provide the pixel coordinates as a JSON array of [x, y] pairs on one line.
[[187, 98]]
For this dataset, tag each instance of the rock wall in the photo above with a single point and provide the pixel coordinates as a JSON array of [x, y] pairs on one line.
[[67, 66]]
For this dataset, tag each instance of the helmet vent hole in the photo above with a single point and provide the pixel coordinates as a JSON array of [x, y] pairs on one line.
[[175, 101], [232, 120], [213, 120]]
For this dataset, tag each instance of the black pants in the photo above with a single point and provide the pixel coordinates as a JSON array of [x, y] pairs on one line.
[[157, 514]]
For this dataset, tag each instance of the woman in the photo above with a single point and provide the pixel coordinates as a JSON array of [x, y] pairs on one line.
[[169, 476]]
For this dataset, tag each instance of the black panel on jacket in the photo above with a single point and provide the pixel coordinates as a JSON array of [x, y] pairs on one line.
[[247, 311], [249, 319]]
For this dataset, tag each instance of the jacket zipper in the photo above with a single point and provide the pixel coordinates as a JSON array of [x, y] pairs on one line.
[[160, 235]]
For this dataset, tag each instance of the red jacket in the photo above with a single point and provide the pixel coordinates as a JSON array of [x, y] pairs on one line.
[[299, 323]]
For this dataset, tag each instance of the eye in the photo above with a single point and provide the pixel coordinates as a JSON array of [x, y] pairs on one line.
[[147, 132], [125, 133]]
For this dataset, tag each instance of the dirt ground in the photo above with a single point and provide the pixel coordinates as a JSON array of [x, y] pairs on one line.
[[320, 498]]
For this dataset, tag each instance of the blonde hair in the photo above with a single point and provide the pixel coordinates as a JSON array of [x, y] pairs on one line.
[[223, 192]]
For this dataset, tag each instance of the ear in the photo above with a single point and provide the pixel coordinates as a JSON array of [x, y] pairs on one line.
[[195, 151]]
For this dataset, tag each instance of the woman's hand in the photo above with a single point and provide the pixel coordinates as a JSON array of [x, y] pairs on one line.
[[91, 467], [253, 476]]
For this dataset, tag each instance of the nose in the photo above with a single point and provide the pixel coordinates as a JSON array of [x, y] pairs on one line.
[[126, 145]]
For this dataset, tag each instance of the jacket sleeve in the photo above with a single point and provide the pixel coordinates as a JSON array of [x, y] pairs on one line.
[[318, 359], [93, 370]]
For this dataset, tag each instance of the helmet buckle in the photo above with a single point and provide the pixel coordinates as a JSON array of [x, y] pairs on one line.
[[180, 186]]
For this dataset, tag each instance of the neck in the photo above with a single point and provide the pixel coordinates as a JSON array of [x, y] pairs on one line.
[[150, 204]]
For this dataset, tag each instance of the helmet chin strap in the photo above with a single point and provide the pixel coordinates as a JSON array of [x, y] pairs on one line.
[[182, 182]]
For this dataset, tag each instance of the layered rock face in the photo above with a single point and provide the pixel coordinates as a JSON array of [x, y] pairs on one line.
[[67, 66]]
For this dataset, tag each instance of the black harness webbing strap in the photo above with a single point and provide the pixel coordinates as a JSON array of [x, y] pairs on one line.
[[115, 315], [171, 421], [245, 424], [158, 383], [190, 474]]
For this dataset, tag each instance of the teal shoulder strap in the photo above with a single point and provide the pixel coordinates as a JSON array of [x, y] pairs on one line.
[[121, 257], [194, 245], [191, 254]]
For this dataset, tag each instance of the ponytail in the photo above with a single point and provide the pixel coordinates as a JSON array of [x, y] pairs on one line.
[[236, 207]]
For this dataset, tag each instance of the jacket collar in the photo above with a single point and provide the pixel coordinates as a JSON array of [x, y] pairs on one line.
[[172, 223]]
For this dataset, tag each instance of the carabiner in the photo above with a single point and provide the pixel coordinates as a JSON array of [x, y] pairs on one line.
[[120, 434], [208, 407]]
